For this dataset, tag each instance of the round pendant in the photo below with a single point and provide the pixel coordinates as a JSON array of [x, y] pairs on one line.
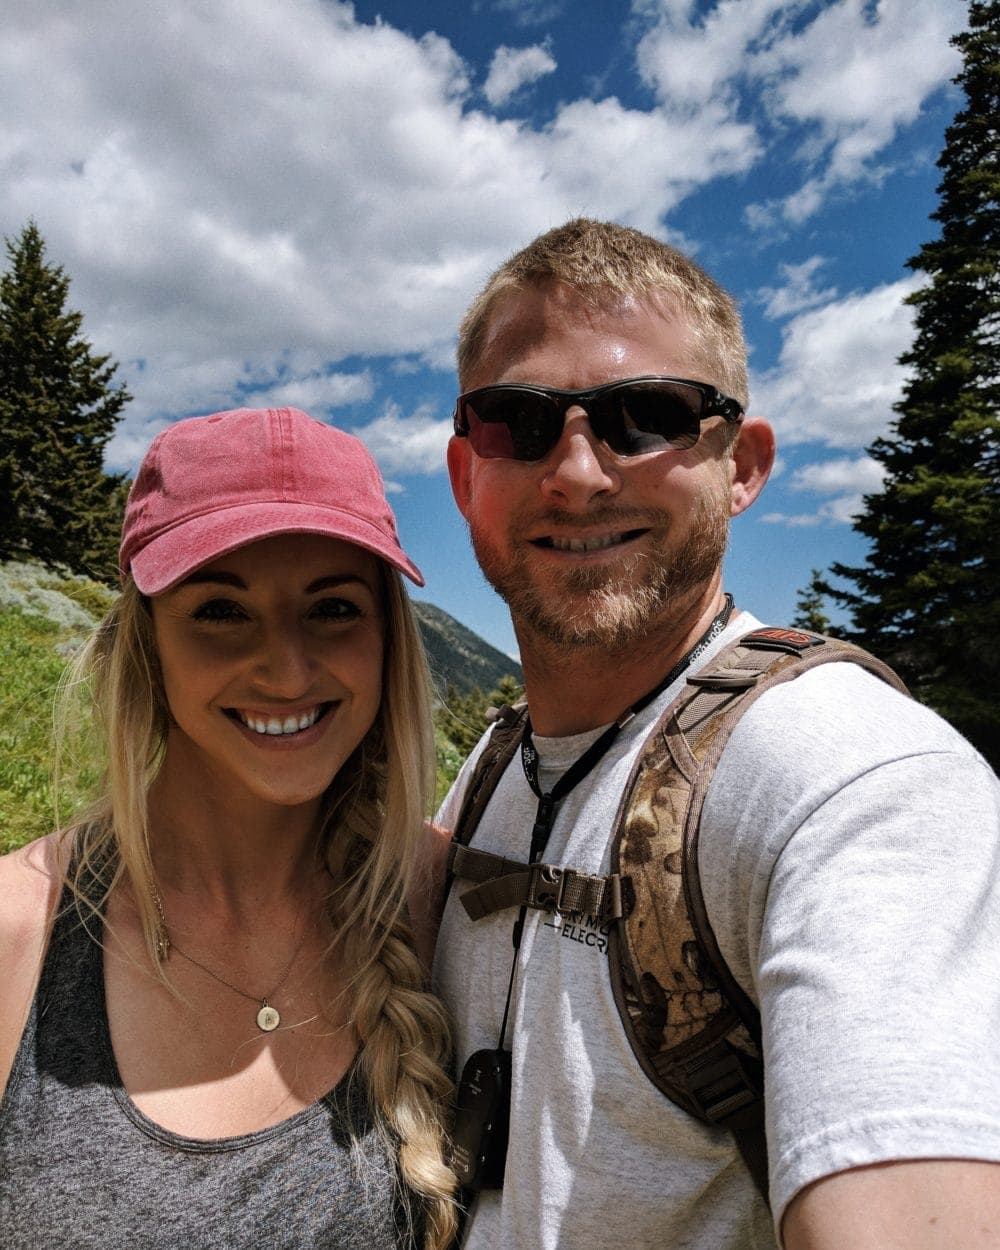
[[267, 1019]]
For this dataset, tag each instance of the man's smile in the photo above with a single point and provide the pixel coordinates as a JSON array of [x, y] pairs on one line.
[[589, 542]]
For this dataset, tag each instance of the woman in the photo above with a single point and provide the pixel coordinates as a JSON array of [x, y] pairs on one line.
[[213, 1023]]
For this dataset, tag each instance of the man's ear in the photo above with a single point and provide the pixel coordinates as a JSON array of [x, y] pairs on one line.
[[752, 461], [458, 471]]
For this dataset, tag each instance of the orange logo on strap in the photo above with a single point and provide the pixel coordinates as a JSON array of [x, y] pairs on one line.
[[789, 637]]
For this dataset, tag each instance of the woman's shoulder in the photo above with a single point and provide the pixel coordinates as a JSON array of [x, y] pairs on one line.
[[30, 885], [30, 880]]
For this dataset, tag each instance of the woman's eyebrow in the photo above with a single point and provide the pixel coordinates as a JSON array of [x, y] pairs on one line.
[[221, 578], [334, 580], [218, 576]]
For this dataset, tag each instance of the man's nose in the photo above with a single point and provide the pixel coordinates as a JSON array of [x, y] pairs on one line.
[[580, 466]]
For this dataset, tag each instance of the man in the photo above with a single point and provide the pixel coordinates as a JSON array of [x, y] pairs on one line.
[[848, 842]]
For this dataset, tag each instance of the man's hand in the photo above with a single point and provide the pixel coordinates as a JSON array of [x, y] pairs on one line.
[[933, 1204]]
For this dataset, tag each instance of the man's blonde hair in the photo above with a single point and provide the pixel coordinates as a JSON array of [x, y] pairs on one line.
[[603, 261]]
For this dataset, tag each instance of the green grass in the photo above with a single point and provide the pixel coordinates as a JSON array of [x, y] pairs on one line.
[[31, 667], [44, 617], [449, 761]]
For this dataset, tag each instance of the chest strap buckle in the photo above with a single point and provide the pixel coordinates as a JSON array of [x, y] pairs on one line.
[[504, 883]]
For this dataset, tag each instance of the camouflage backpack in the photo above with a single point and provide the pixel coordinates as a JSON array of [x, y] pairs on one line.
[[694, 1031]]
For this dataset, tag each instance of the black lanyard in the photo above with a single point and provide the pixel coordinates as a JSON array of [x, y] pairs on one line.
[[545, 814]]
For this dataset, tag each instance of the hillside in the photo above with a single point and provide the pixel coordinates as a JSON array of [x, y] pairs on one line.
[[457, 656]]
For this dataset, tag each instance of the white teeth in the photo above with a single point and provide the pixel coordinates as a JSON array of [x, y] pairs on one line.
[[586, 544], [276, 725]]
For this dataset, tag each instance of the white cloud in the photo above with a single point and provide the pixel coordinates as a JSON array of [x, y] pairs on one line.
[[862, 475], [859, 74], [130, 443], [281, 182], [314, 393], [851, 72], [839, 511], [798, 293], [666, 157], [847, 479], [514, 68], [692, 59], [843, 509], [414, 444], [796, 520], [837, 378], [530, 12]]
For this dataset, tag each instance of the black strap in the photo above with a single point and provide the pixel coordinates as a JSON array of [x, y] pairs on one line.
[[503, 883], [580, 768], [545, 813]]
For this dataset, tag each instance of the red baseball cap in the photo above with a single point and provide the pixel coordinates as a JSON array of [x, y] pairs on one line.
[[209, 485]]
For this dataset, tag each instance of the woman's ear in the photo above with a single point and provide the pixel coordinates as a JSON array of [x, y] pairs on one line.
[[752, 461]]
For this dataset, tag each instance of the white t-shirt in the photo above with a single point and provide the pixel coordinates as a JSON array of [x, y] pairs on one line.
[[848, 855]]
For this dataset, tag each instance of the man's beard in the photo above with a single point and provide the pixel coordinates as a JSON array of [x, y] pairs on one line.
[[616, 604]]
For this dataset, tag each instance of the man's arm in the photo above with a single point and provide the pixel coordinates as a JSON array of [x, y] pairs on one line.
[[932, 1204]]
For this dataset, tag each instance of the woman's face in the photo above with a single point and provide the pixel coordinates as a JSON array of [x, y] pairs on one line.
[[272, 667]]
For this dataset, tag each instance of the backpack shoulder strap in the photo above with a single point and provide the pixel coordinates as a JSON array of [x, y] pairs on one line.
[[694, 1030], [508, 727], [762, 659]]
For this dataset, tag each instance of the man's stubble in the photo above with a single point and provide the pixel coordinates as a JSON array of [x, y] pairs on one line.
[[613, 605]]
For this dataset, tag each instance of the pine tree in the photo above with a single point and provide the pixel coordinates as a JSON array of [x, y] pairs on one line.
[[463, 718], [58, 410], [809, 606], [926, 600]]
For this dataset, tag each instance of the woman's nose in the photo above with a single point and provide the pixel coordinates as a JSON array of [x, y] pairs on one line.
[[284, 664]]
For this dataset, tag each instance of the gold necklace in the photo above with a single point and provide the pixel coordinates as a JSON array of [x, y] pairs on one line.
[[268, 1017]]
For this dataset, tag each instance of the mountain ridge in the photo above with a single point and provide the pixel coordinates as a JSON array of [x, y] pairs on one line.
[[459, 657]]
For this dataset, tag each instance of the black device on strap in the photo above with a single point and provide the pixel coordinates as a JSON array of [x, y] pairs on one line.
[[482, 1113]]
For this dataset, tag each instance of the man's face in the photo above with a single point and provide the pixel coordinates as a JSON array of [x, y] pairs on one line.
[[588, 548]]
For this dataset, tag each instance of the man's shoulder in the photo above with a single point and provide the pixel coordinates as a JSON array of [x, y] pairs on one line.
[[839, 731], [844, 709], [837, 739], [447, 814]]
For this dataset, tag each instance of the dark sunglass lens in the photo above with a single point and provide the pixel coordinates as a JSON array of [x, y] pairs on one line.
[[512, 424], [649, 416]]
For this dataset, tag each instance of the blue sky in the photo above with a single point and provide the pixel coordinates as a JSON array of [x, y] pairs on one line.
[[292, 202]]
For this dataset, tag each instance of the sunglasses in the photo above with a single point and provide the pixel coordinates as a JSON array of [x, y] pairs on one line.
[[511, 421]]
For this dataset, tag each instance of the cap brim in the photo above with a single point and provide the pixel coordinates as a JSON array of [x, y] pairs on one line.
[[178, 552]]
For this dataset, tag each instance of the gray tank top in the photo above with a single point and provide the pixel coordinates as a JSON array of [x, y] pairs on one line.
[[81, 1166]]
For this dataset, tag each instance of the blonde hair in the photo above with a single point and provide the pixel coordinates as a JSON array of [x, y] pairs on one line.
[[371, 837], [602, 260]]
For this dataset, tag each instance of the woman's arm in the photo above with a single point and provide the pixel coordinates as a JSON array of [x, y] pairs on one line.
[[426, 900], [30, 882]]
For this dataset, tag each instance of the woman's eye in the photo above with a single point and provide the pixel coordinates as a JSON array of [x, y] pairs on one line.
[[336, 610], [219, 610]]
